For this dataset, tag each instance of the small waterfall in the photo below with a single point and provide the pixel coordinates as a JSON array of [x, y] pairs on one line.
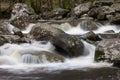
[[28, 29], [10, 28], [76, 30], [30, 59], [26, 53], [86, 61], [102, 29]]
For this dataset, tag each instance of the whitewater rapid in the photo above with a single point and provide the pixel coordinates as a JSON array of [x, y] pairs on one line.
[[10, 56]]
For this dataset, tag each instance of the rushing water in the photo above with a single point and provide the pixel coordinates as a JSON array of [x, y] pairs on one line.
[[14, 62]]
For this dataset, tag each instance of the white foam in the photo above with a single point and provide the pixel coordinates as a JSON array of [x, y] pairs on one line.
[[79, 31], [76, 30], [10, 53], [79, 62], [28, 28]]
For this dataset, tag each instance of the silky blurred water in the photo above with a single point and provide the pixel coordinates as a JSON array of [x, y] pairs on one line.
[[80, 68]]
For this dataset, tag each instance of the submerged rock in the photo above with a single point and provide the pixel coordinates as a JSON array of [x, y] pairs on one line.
[[37, 57], [71, 46], [108, 50]]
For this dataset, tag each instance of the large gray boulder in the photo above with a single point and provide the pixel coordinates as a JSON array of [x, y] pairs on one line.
[[43, 31], [82, 8], [108, 50], [116, 6], [72, 46], [20, 16]]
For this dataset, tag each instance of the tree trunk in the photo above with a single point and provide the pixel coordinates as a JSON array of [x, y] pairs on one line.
[[0, 8], [51, 4]]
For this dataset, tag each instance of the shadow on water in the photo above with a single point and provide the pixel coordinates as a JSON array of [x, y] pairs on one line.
[[81, 74]]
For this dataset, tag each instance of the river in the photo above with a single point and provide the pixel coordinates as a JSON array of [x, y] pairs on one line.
[[81, 68]]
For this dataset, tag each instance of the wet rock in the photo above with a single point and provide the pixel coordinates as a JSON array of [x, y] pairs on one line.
[[90, 36], [116, 6], [82, 8], [17, 32], [108, 36], [109, 17], [62, 26], [89, 25], [86, 16], [115, 19], [57, 13], [72, 46], [73, 21], [51, 57], [103, 2], [11, 39], [20, 15], [4, 27], [100, 13], [69, 46], [2, 40], [93, 12], [37, 57], [43, 31], [110, 31], [108, 50], [103, 11]]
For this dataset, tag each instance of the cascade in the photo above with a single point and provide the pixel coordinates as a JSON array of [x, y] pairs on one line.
[[15, 54]]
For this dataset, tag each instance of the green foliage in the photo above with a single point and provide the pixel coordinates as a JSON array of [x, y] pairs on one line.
[[28, 2], [55, 4], [38, 5]]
